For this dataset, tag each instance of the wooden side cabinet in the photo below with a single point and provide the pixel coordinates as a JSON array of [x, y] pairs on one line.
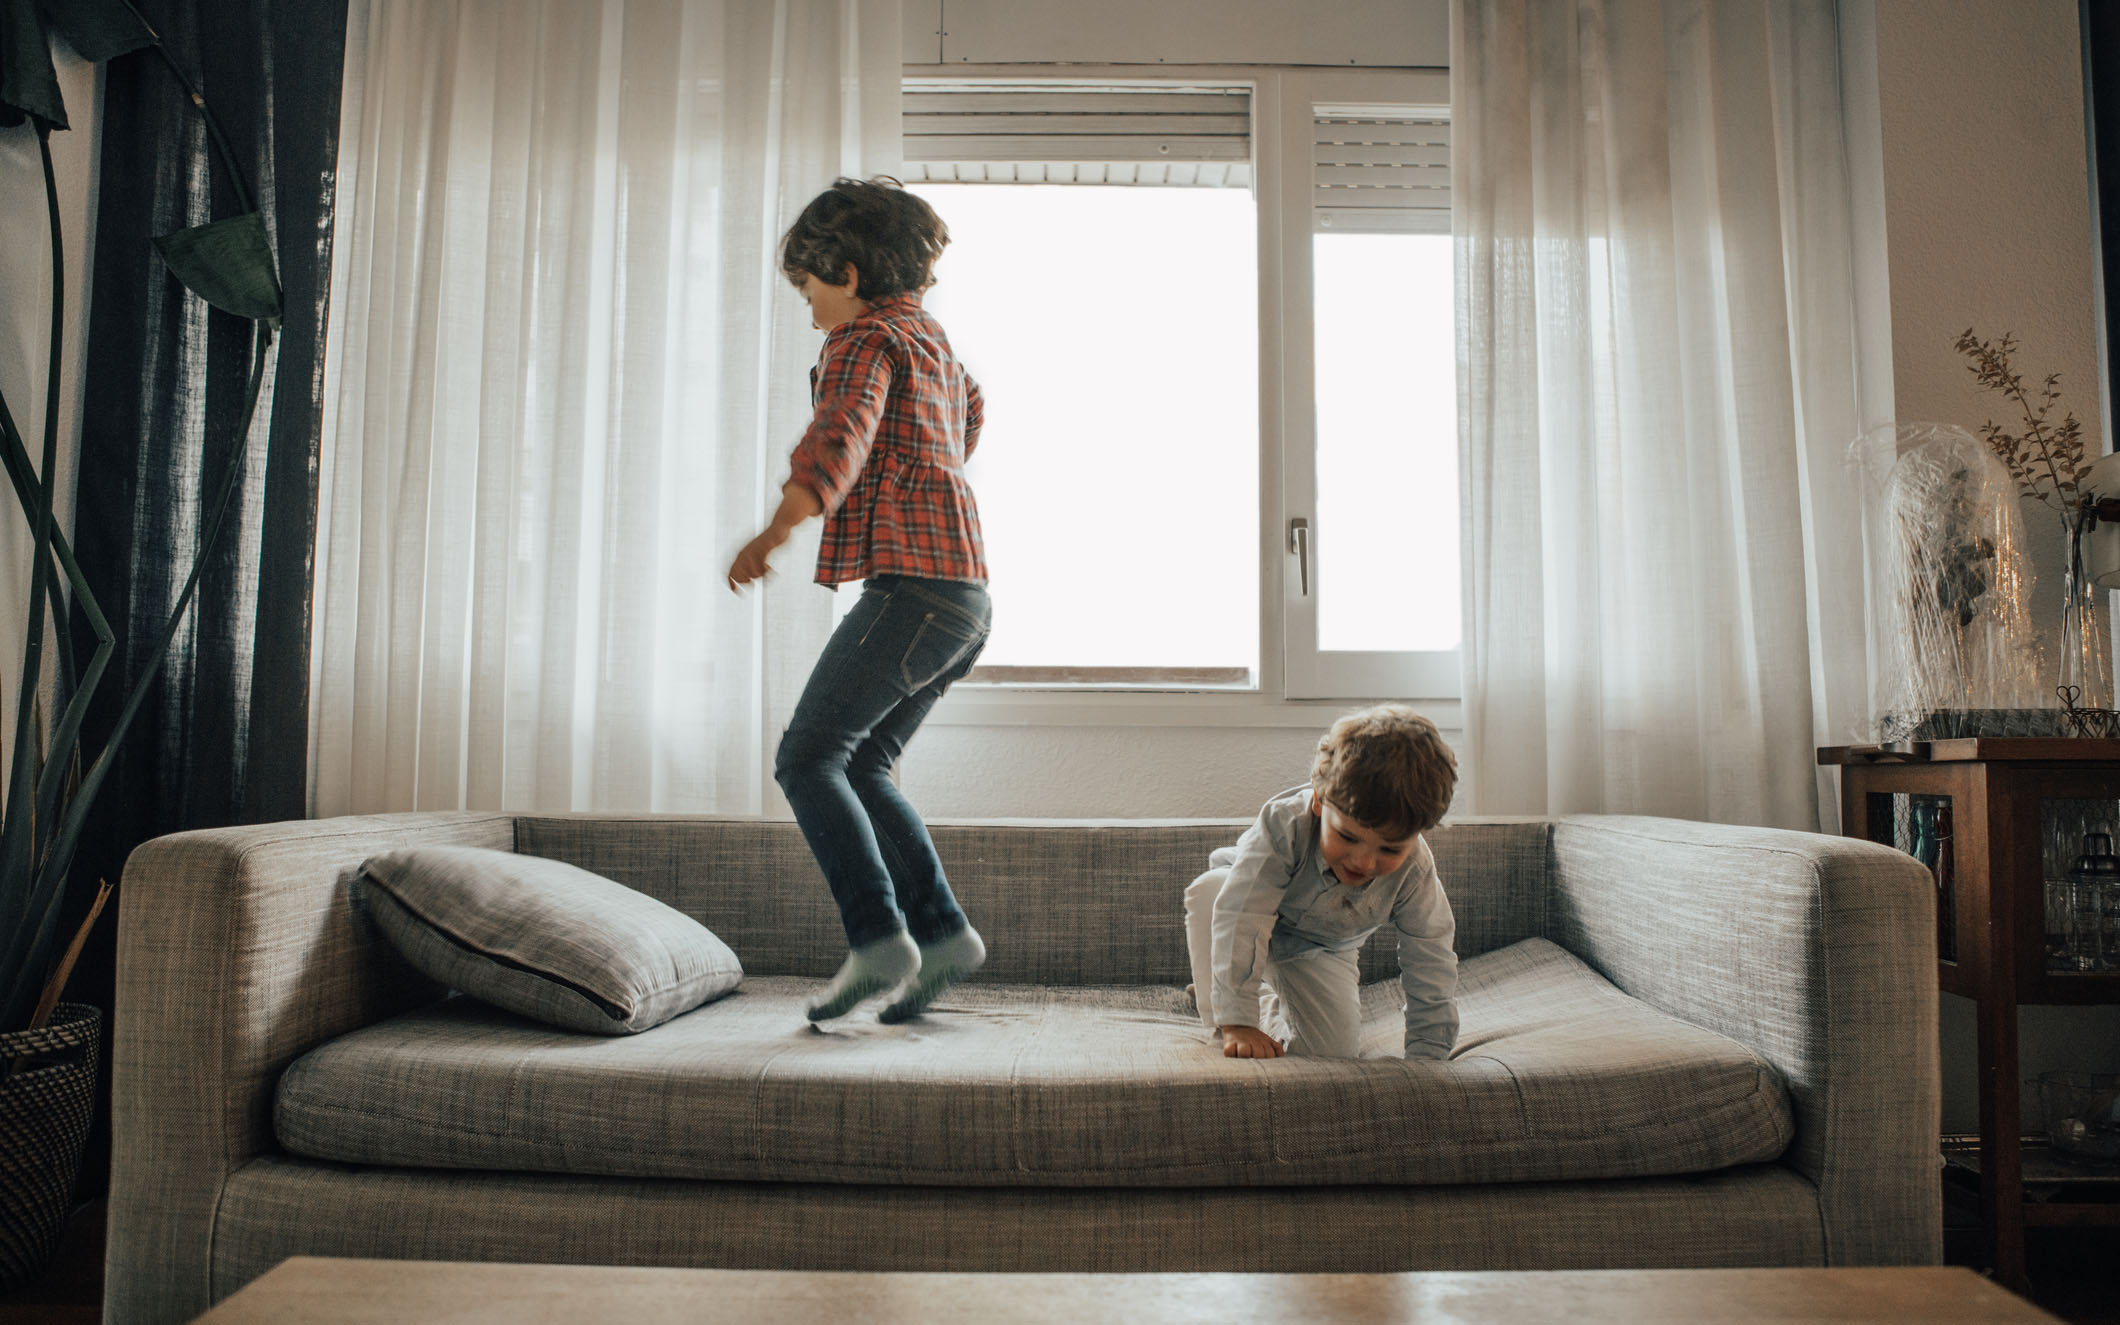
[[1992, 948]]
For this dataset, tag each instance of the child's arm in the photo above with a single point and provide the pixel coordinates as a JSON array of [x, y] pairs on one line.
[[1428, 964], [853, 380], [797, 503], [1244, 914]]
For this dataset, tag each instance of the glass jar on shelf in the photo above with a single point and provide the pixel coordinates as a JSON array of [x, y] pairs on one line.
[[1930, 829], [2057, 925], [2093, 907]]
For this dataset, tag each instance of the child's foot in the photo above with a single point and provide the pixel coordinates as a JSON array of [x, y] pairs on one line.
[[942, 964], [868, 969]]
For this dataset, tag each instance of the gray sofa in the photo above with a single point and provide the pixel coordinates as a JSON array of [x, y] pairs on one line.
[[1682, 1045]]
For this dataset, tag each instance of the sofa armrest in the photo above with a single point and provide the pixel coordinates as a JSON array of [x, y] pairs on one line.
[[237, 953], [1818, 952]]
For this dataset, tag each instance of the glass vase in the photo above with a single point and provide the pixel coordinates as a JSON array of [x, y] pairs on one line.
[[2085, 680]]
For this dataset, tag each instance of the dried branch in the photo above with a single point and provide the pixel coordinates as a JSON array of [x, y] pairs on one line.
[[2046, 458]]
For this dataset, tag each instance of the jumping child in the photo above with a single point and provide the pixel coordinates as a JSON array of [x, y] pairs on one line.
[[883, 461]]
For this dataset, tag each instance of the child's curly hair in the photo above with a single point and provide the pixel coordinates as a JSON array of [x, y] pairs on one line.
[[1388, 767], [892, 238]]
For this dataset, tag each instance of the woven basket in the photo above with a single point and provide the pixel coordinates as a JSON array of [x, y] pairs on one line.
[[44, 1115]]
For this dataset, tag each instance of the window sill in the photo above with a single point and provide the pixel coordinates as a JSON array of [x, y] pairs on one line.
[[973, 705]]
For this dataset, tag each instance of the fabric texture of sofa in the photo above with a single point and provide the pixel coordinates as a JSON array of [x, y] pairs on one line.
[[1682, 1045]]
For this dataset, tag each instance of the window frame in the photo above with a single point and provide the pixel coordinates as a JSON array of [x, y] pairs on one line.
[[1308, 672], [1295, 684]]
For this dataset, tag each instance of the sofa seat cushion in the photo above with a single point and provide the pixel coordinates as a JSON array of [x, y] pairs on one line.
[[1558, 1076]]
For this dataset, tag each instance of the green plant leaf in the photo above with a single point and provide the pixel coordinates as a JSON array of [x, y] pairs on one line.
[[229, 265], [61, 746], [98, 29], [27, 84]]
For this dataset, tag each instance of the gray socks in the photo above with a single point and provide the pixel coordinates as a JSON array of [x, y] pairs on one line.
[[941, 965], [869, 969]]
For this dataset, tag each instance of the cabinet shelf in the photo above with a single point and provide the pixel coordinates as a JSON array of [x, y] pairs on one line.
[[1992, 869], [2046, 1176]]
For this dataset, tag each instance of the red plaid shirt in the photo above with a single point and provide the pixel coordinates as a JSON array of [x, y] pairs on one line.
[[896, 416]]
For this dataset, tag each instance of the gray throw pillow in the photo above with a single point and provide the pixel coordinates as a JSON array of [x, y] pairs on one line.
[[543, 938]]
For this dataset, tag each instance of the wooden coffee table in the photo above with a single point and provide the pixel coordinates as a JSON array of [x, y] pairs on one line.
[[326, 1291]]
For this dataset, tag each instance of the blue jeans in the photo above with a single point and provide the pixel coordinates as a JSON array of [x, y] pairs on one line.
[[883, 669]]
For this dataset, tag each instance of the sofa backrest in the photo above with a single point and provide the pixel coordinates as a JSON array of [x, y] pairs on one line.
[[1058, 902], [1498, 875]]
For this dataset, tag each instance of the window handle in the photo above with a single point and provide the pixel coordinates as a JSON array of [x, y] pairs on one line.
[[1299, 543]]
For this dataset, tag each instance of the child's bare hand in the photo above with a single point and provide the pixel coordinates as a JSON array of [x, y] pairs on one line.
[[750, 564], [1249, 1042]]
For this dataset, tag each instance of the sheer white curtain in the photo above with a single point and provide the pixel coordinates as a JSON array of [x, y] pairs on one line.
[[1658, 376], [566, 373]]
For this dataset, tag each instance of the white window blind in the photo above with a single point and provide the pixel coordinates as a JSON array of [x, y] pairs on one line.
[[1380, 172], [963, 132]]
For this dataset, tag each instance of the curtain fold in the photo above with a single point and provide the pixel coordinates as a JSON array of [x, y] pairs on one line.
[[1658, 386], [567, 371], [220, 736]]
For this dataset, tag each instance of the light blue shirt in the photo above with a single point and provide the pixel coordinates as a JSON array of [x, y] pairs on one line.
[[1281, 903]]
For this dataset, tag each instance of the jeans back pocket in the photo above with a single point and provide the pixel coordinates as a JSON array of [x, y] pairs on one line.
[[939, 643]]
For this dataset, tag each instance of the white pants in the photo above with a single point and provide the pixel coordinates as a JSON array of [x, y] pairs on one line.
[[1311, 1003]]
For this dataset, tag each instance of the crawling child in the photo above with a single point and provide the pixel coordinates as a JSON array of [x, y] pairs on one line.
[[1276, 922]]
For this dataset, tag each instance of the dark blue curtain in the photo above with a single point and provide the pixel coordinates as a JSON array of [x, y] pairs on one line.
[[223, 735], [2100, 23]]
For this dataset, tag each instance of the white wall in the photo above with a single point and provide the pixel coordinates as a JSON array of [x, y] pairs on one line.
[[1987, 199], [25, 335], [1987, 217], [1988, 212], [1105, 772]]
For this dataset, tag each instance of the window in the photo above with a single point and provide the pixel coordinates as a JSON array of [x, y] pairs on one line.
[[1372, 495], [1118, 477], [1193, 404]]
